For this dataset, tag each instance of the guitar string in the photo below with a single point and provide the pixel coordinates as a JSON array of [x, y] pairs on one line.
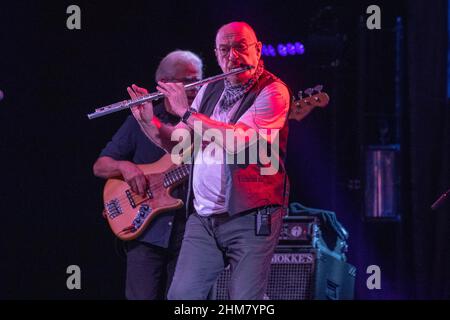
[[125, 200], [154, 186]]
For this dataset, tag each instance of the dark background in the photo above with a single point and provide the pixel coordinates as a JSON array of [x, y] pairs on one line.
[[51, 204]]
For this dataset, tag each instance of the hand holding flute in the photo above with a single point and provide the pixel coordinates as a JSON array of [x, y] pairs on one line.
[[143, 112], [157, 95]]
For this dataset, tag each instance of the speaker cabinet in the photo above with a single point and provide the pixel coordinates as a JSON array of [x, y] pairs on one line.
[[302, 274]]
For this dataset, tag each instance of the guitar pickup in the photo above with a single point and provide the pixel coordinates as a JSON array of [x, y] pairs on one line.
[[130, 198], [133, 202]]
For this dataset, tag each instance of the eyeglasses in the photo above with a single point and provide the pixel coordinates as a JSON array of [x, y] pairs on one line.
[[224, 50]]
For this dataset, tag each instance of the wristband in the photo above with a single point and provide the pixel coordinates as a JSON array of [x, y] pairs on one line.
[[187, 114]]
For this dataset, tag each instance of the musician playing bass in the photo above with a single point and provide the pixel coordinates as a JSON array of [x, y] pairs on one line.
[[151, 258]]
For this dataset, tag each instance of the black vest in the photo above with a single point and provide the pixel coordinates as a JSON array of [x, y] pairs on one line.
[[246, 188]]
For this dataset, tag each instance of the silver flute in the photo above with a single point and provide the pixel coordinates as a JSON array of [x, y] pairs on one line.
[[103, 111]]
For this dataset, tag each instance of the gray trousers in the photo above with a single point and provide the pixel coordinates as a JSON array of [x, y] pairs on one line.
[[211, 243]]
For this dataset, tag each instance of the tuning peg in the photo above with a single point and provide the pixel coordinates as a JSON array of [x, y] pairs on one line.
[[309, 91], [318, 88], [300, 94]]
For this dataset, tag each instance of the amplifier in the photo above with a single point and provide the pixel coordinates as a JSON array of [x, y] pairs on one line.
[[299, 231], [302, 274]]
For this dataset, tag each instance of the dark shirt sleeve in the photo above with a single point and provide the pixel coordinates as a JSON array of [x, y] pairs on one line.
[[123, 143]]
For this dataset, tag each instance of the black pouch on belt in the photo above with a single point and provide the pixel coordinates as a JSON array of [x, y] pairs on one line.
[[263, 222]]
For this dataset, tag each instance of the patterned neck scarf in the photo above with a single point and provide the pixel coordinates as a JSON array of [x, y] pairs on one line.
[[233, 93]]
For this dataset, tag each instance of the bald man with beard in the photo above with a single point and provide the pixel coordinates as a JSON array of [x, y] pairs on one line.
[[227, 202]]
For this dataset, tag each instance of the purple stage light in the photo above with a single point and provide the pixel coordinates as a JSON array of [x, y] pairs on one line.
[[299, 48], [272, 51], [282, 51], [268, 50], [290, 49]]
